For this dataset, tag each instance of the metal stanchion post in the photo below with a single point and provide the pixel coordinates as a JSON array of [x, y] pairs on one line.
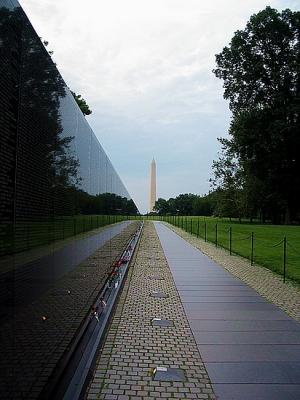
[[284, 258], [252, 247]]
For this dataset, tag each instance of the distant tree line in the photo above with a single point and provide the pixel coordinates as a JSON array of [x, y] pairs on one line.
[[257, 173], [186, 204]]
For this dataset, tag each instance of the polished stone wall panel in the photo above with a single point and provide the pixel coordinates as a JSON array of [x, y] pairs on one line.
[[47, 146], [52, 170]]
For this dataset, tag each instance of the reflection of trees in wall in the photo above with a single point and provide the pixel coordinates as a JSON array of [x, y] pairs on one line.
[[47, 164], [9, 83], [37, 165], [104, 203], [43, 161], [39, 173]]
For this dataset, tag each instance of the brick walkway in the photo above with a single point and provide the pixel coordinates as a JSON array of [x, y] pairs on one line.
[[133, 347], [267, 283]]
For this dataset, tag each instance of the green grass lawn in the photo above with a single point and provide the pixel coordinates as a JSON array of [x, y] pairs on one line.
[[268, 247]]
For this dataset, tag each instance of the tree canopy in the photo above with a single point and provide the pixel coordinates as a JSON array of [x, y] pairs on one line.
[[84, 107], [186, 204], [82, 104], [260, 163]]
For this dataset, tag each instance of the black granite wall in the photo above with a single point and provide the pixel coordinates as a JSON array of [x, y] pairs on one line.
[[55, 182], [51, 161]]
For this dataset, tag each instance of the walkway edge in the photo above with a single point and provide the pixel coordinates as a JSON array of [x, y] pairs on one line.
[[267, 283]]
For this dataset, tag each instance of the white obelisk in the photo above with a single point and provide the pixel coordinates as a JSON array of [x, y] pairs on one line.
[[153, 186]]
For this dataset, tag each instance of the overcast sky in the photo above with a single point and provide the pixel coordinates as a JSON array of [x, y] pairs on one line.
[[144, 67]]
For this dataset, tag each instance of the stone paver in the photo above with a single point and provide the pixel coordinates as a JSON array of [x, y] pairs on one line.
[[133, 347], [267, 283]]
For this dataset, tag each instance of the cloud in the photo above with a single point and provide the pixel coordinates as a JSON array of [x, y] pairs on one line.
[[145, 69]]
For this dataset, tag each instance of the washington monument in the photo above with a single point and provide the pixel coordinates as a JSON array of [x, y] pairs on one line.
[[153, 185]]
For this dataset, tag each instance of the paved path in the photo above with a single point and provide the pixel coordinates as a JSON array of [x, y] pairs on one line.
[[286, 295], [251, 349], [134, 347]]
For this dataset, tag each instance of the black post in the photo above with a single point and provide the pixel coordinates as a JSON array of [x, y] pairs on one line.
[[191, 226], [284, 258], [198, 228], [252, 247], [230, 240], [205, 232], [216, 235]]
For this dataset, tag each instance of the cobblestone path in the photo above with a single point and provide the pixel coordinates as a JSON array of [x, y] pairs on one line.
[[133, 347], [267, 283]]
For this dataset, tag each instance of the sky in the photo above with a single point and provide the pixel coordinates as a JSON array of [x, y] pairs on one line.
[[145, 69]]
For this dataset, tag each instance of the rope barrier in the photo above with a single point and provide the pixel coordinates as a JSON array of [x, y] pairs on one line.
[[218, 234], [246, 238], [277, 244]]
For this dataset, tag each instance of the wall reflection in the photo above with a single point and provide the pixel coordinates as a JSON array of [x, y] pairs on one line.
[[57, 189]]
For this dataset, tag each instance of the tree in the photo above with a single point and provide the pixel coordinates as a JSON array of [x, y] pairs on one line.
[[161, 206], [228, 186], [84, 107], [203, 205], [261, 73], [186, 204]]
